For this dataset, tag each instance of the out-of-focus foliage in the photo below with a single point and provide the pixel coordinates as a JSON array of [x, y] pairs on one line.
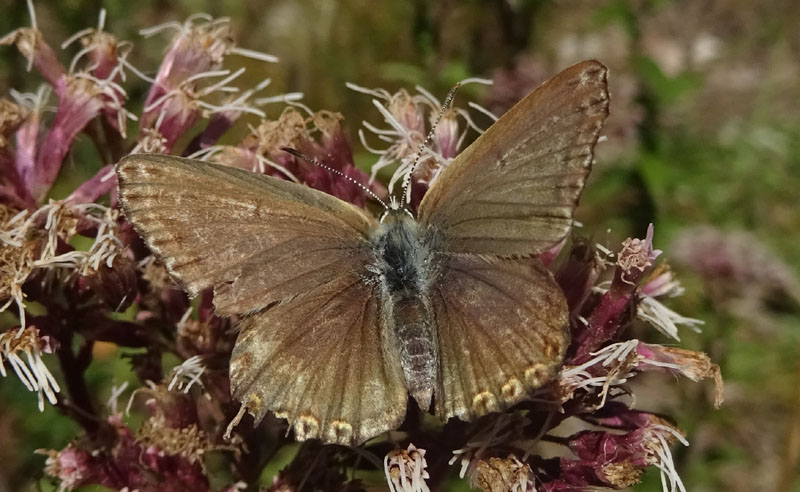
[[704, 131]]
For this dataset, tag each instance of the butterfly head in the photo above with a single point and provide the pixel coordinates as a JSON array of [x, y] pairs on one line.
[[395, 211]]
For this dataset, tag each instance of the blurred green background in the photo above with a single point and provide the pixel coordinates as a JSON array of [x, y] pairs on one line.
[[704, 130]]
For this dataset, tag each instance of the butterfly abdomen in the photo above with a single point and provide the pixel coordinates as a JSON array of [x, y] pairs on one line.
[[414, 329], [405, 269]]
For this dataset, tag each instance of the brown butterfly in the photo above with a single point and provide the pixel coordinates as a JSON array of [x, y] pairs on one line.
[[344, 316]]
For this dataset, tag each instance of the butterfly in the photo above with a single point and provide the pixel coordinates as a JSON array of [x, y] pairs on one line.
[[344, 316]]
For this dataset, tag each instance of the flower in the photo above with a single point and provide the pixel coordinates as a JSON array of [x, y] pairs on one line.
[[418, 150], [405, 470], [616, 363], [17, 253], [72, 466], [318, 137], [617, 459], [134, 462], [19, 165], [688, 363], [176, 98], [185, 375], [632, 292], [82, 95], [31, 370]]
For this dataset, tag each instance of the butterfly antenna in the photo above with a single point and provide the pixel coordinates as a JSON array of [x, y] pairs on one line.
[[314, 161], [428, 138]]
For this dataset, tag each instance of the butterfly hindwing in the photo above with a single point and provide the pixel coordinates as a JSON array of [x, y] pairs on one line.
[[502, 332], [320, 362], [514, 190]]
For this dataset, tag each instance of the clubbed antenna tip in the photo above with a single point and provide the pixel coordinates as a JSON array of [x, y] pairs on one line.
[[428, 138]]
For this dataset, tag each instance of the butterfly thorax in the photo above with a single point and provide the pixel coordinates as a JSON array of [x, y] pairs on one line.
[[405, 267]]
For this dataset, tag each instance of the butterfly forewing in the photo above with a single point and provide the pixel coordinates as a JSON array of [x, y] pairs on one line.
[[514, 190], [312, 348], [255, 239], [501, 326]]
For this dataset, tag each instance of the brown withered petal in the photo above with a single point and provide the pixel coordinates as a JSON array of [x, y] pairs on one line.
[[694, 365]]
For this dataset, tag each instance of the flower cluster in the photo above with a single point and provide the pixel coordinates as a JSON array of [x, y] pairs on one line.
[[73, 273], [592, 391], [422, 135]]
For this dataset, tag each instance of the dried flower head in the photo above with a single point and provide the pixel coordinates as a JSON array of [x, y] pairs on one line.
[[188, 442], [504, 475], [636, 258]]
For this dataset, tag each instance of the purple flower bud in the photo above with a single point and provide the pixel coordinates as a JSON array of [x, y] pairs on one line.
[[80, 100], [447, 136], [13, 191], [116, 285], [174, 103], [577, 275], [91, 190], [106, 57], [618, 459], [333, 150], [171, 117], [608, 318], [407, 112], [27, 140]]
